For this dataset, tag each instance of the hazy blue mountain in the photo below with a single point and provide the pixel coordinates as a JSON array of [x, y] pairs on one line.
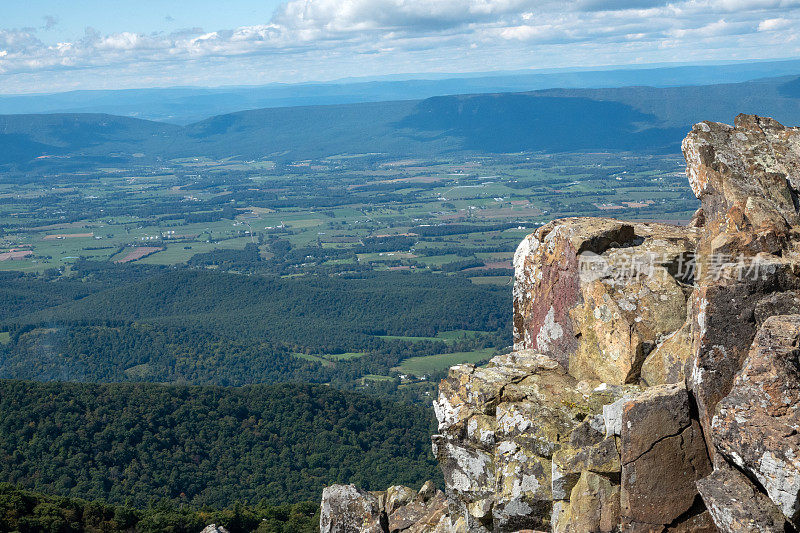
[[630, 118], [184, 105], [679, 106], [25, 137]]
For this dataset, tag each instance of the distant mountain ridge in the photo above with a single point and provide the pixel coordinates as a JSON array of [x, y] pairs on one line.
[[645, 119], [185, 105]]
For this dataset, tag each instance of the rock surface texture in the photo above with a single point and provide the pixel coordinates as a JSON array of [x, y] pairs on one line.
[[347, 509], [654, 384]]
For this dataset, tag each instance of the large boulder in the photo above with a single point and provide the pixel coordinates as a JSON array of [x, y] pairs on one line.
[[663, 454], [598, 295], [348, 509], [633, 467], [738, 506], [747, 177]]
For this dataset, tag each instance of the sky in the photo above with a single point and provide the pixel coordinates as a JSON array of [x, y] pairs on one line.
[[59, 45]]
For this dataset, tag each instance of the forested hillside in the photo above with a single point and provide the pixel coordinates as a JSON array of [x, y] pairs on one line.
[[26, 511], [315, 311], [136, 444], [210, 327]]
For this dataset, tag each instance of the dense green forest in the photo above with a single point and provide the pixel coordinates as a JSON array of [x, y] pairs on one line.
[[163, 324], [322, 313], [135, 444], [26, 511]]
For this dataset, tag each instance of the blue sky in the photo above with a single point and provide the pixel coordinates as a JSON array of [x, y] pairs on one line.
[[57, 45], [69, 18]]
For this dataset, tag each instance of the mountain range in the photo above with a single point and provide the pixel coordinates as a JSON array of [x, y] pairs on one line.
[[185, 105], [649, 119]]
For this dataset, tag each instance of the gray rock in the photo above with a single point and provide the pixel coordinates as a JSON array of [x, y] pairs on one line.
[[347, 509], [214, 528], [736, 505], [756, 426]]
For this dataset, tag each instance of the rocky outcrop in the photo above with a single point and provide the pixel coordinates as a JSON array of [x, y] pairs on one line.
[[737, 505], [499, 428], [746, 177], [347, 509], [214, 528], [598, 295], [742, 369], [655, 379]]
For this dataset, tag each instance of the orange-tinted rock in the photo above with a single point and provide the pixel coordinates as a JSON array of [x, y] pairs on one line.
[[746, 177], [666, 364], [597, 295]]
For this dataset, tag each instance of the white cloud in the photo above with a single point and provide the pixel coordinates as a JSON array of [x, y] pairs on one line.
[[335, 38], [714, 29], [361, 15], [50, 22], [751, 5], [775, 24]]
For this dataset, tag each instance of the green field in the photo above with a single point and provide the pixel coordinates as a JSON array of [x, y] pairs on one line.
[[458, 334], [5, 337], [422, 366], [409, 339], [374, 377], [349, 356]]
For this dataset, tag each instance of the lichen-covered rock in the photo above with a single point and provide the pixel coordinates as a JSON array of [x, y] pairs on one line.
[[417, 514], [736, 505], [746, 178], [593, 506], [214, 528], [500, 426], [398, 496], [723, 326], [347, 509], [597, 295], [524, 445], [757, 426]]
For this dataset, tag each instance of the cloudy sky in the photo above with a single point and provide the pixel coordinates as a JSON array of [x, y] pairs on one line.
[[56, 45]]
